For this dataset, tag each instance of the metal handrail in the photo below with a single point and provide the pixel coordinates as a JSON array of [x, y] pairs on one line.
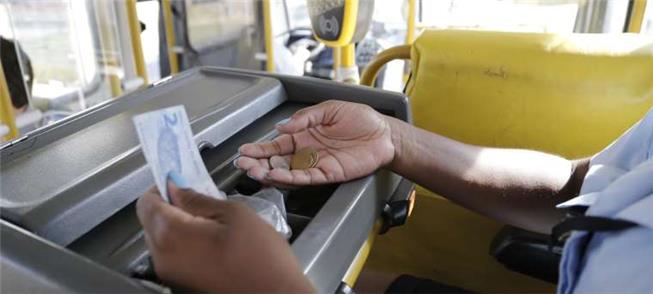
[[636, 16], [166, 7], [410, 33], [269, 39], [372, 68], [135, 34], [6, 108]]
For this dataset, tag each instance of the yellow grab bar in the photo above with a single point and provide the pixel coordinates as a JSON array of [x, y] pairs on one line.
[[372, 68], [348, 55], [269, 39], [137, 46], [7, 108], [410, 31], [336, 62], [356, 267], [637, 16], [166, 6]]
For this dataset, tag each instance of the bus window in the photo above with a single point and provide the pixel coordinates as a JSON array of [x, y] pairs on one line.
[[518, 16], [79, 51], [550, 16], [57, 39], [212, 23], [298, 14]]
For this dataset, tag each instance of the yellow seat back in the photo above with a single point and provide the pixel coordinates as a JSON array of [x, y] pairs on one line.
[[570, 95]]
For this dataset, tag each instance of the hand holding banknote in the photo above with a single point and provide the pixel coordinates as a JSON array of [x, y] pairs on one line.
[[196, 240], [214, 246], [169, 148]]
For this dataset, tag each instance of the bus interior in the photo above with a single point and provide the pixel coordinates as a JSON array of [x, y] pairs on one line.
[[501, 73]]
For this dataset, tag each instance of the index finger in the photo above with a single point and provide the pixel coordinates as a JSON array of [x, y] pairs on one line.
[[309, 117], [281, 145]]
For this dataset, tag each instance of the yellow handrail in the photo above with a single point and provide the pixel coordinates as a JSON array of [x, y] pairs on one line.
[[6, 108], [410, 33], [372, 68], [269, 39], [356, 267], [137, 47], [637, 16], [336, 62], [166, 6], [348, 56]]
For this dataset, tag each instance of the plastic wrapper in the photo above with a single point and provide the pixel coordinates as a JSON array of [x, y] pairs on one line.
[[269, 205]]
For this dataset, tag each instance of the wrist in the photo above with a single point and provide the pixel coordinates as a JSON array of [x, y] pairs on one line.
[[398, 132]]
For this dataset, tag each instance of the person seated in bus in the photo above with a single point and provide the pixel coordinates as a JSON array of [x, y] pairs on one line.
[[19, 81], [220, 246]]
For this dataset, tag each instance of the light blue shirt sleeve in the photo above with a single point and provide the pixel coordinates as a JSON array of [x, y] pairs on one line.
[[619, 185], [631, 149]]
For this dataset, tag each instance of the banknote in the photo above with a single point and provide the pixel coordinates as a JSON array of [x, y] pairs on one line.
[[167, 143]]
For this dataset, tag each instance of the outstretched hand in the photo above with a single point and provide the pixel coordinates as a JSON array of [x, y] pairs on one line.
[[353, 140]]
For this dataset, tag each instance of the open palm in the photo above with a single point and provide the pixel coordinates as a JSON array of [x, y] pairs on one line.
[[352, 141]]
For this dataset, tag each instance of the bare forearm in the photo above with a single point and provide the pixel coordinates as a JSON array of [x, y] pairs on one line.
[[519, 187]]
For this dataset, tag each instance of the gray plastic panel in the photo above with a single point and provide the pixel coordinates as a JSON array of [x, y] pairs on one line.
[[33, 265], [61, 181], [312, 91], [92, 168], [330, 242]]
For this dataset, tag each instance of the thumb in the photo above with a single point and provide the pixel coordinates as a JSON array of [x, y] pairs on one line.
[[307, 118], [192, 202]]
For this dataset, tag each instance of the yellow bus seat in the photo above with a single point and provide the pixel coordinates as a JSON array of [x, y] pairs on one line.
[[565, 94]]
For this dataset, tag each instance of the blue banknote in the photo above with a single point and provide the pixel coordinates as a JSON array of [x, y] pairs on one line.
[[167, 143]]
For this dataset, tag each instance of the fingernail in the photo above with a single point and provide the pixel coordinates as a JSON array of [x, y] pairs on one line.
[[250, 176], [235, 163], [282, 122], [178, 180]]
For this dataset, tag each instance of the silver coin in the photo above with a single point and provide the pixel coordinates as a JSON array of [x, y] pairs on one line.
[[277, 161]]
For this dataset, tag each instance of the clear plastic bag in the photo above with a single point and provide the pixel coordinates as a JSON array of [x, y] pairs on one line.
[[269, 205]]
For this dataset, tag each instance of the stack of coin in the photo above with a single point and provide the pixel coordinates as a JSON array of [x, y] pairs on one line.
[[304, 159]]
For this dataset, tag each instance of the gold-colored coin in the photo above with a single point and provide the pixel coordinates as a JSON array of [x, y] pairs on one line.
[[304, 159], [316, 158]]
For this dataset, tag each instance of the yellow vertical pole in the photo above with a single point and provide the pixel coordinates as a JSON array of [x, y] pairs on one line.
[[637, 16], [7, 108], [166, 6], [336, 62], [356, 266], [269, 39], [348, 72], [348, 56], [114, 84], [410, 32], [137, 46]]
